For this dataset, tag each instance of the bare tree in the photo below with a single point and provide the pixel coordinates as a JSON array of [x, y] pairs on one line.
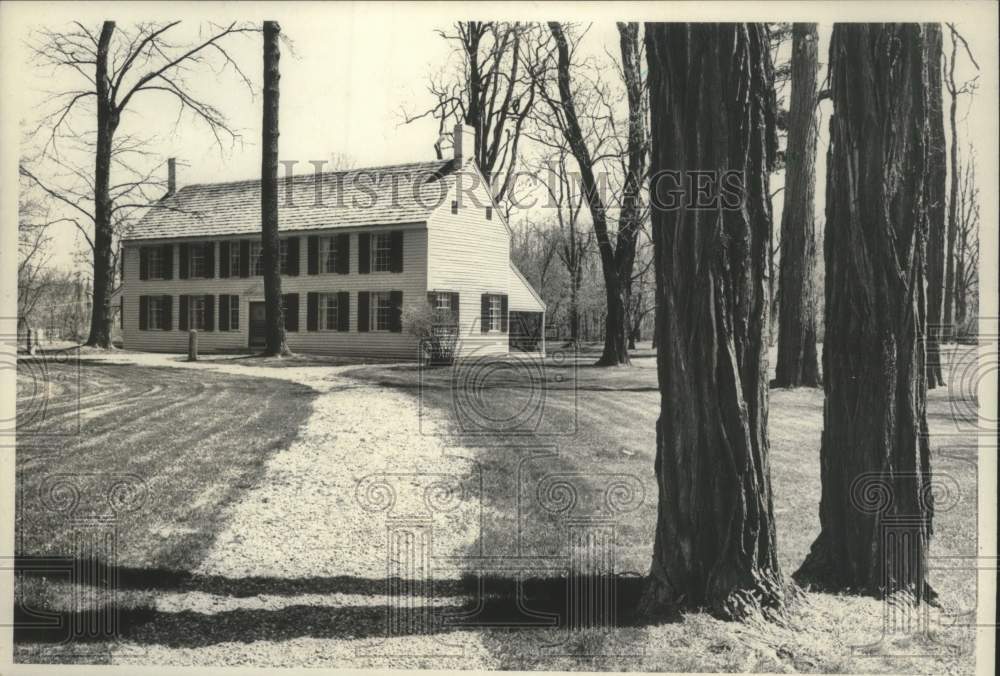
[[715, 541], [114, 68], [492, 91], [967, 246], [617, 258], [876, 506], [936, 226], [955, 91], [270, 243]]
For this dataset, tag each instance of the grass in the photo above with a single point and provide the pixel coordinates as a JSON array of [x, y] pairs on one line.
[[597, 424], [590, 428]]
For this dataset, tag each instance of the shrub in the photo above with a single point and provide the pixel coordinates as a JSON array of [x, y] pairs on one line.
[[436, 330]]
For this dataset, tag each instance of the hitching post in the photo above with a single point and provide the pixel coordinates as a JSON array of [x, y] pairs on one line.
[[192, 345]]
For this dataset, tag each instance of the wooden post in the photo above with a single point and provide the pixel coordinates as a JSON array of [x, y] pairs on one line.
[[192, 345]]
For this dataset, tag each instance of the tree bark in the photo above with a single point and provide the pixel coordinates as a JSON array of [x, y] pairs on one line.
[[269, 195], [936, 236], [874, 453], [712, 108], [107, 123], [797, 363], [947, 314]]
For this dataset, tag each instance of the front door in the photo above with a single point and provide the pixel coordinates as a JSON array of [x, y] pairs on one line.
[[258, 326]]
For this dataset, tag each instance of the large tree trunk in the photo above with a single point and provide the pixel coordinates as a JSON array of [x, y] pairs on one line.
[[269, 195], [936, 236], [107, 123], [950, 279], [797, 363], [875, 509], [712, 108]]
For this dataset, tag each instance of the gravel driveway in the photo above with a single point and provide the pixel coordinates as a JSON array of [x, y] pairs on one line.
[[320, 521]]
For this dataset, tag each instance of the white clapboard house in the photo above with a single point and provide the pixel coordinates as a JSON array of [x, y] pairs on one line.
[[357, 247]]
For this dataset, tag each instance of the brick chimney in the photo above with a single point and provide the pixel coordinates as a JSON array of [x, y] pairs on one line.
[[171, 176], [464, 143]]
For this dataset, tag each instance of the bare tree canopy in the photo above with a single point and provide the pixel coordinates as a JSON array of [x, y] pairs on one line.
[[111, 68]]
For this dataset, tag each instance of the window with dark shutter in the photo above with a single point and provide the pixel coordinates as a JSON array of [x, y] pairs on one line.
[[224, 260], [182, 317], [292, 257], [185, 254], [209, 313], [168, 313], [209, 249], [143, 313], [143, 263], [290, 308], [362, 311], [343, 261], [223, 312], [484, 313], [396, 315], [312, 309], [312, 254], [343, 311], [364, 253], [396, 251], [167, 254]]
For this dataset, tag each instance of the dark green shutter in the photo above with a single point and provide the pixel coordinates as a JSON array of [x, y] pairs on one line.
[[503, 313], [185, 254], [223, 312], [244, 258], [121, 312], [121, 265], [291, 301], [343, 243], [168, 313], [312, 263], [312, 310], [143, 263], [484, 313], [432, 299], [294, 248], [143, 313], [343, 311], [363, 311], [182, 320], [168, 261], [209, 313], [364, 253], [396, 251], [224, 260], [396, 316], [454, 308], [209, 252]]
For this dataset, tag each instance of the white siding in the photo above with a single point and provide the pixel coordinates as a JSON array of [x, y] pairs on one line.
[[412, 282], [470, 255], [522, 296]]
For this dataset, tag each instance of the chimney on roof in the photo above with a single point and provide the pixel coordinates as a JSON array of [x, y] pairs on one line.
[[171, 176], [464, 142]]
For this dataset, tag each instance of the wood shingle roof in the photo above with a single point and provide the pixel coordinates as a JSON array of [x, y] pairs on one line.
[[391, 195]]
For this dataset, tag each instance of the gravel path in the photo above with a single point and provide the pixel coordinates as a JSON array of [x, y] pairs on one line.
[[321, 516]]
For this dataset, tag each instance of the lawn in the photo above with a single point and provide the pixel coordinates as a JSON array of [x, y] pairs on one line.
[[555, 451]]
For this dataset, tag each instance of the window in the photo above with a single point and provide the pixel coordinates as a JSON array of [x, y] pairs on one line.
[[155, 261], [381, 311], [157, 313], [442, 301], [328, 254], [489, 213], [381, 252], [495, 313], [234, 313], [256, 259], [283, 256], [328, 311], [197, 260], [196, 313], [234, 259]]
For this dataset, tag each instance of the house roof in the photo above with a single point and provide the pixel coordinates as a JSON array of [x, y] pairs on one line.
[[391, 195]]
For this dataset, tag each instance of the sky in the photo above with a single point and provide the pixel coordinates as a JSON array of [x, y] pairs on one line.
[[348, 73]]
